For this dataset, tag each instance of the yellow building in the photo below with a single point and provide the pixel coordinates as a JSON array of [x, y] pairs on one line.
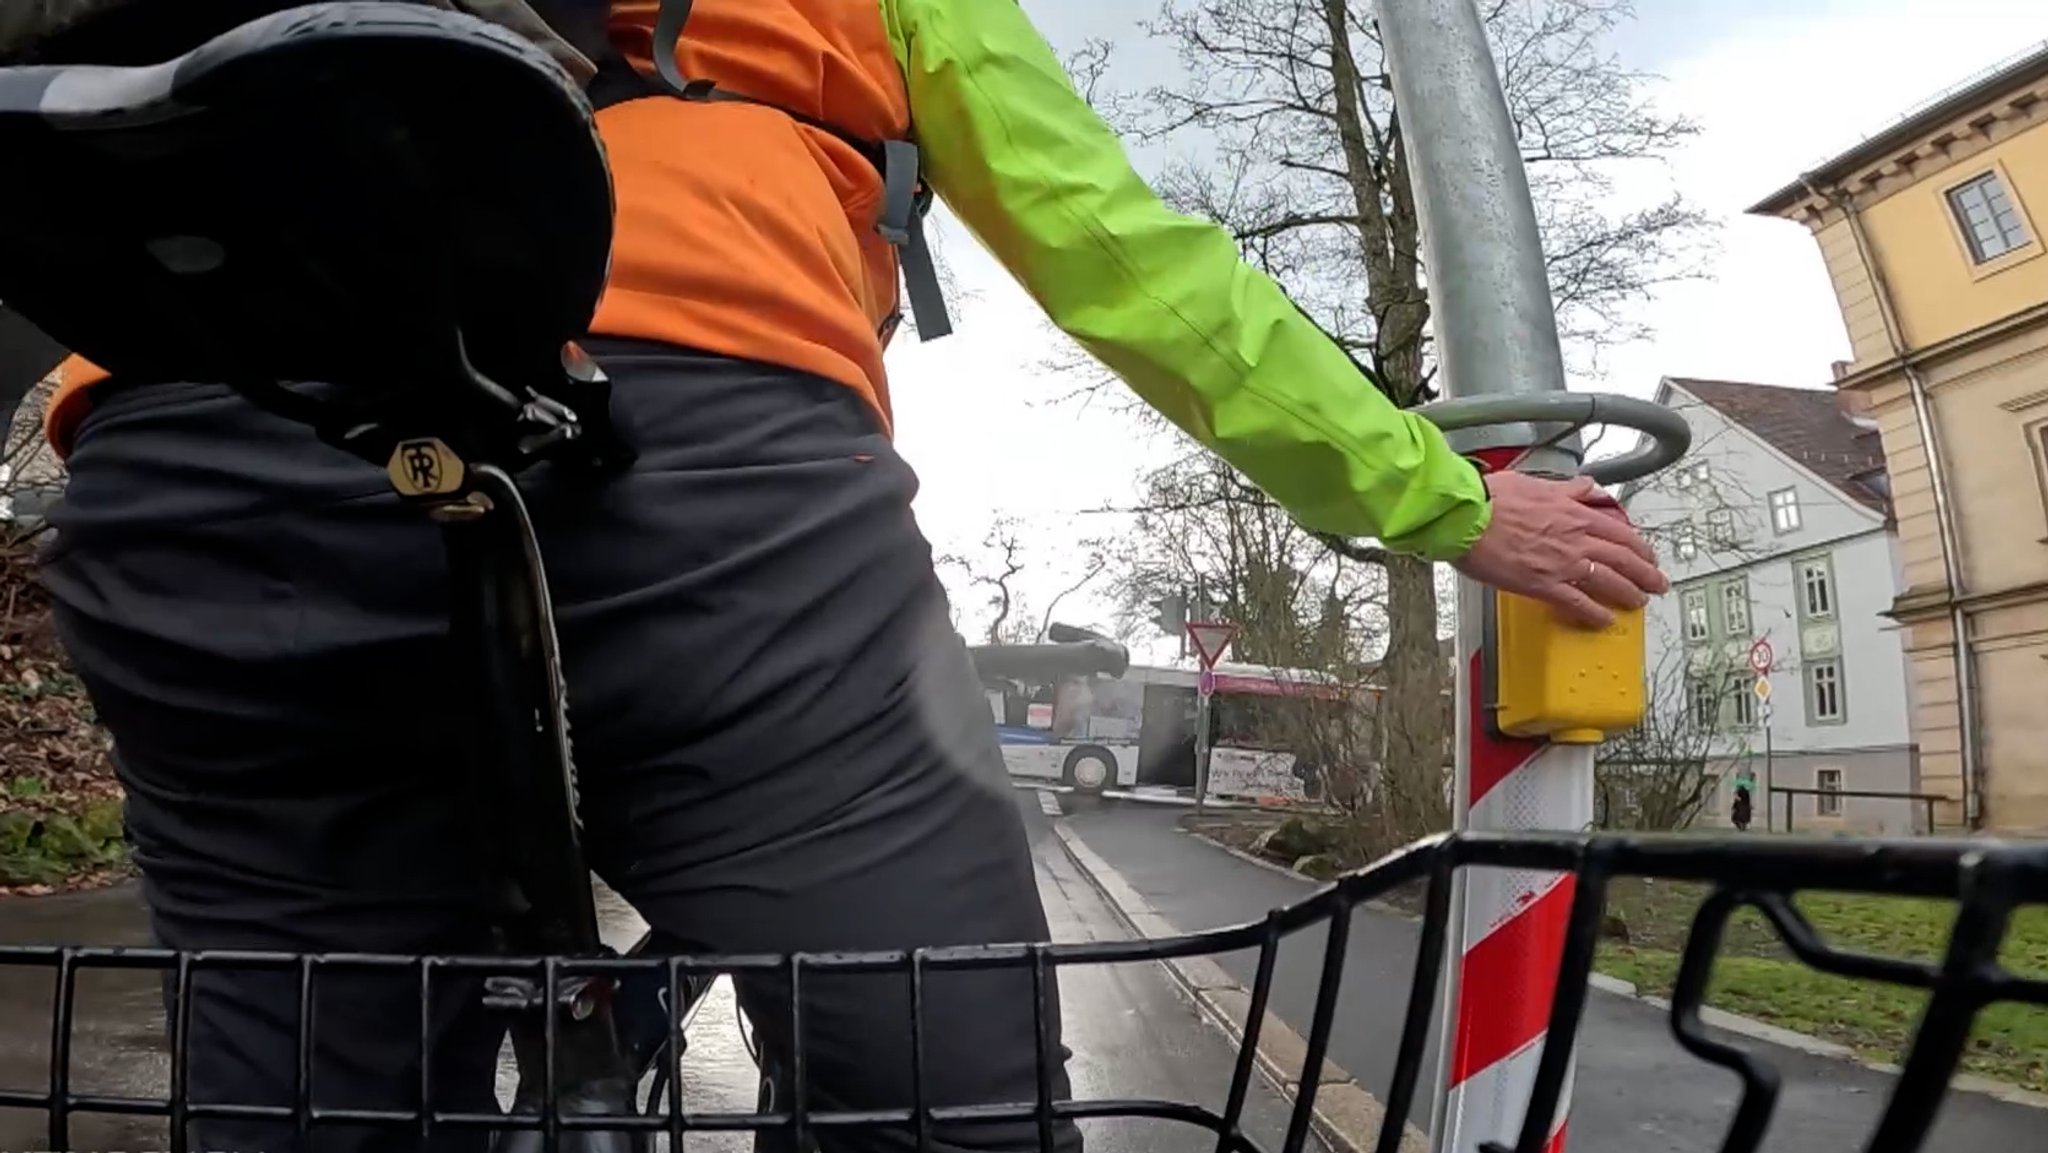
[[1932, 234]]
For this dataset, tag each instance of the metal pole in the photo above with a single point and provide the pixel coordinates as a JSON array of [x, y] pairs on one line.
[[1196, 610], [1489, 288], [1201, 750], [1495, 333], [1770, 776]]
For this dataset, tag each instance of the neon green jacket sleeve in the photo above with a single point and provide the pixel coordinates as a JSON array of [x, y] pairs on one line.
[[1164, 299]]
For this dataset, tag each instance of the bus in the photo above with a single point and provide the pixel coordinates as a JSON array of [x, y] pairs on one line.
[[1138, 731]]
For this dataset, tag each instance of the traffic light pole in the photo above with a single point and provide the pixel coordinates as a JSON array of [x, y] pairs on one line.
[[1495, 335]]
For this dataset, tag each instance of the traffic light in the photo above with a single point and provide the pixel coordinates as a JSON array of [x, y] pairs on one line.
[[1171, 613]]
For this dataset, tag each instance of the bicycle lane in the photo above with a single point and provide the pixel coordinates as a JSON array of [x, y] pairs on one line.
[[1637, 1091]]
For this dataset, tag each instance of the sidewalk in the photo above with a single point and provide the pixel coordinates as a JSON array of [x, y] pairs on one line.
[[1637, 1091]]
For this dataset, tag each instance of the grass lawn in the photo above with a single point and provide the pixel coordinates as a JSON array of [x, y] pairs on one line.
[[1757, 977]]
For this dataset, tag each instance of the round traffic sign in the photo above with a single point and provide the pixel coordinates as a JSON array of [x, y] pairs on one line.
[[1760, 657], [1207, 684]]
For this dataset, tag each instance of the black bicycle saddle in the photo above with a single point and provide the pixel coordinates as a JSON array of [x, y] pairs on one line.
[[323, 193]]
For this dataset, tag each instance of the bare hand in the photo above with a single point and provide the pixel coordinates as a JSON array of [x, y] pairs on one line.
[[1564, 543]]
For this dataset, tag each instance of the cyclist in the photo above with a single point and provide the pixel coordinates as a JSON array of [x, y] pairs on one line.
[[781, 744]]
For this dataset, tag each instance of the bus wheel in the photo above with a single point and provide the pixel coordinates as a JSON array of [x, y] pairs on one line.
[[1089, 770]]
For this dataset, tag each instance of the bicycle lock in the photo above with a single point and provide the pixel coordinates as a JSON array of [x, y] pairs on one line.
[[1534, 696]]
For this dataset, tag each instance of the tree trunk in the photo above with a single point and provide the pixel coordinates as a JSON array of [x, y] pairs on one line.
[[1412, 705], [1389, 243]]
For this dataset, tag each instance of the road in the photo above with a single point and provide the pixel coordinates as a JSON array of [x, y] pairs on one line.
[[1637, 1092], [1133, 1032]]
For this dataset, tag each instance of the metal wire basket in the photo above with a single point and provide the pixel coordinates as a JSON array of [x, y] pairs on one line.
[[1985, 882]]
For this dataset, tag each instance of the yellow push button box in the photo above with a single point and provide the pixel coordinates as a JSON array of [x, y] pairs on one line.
[[1557, 680]]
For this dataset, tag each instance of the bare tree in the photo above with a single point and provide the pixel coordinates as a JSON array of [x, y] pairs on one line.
[[997, 570], [1336, 730], [1705, 506], [1088, 66], [1004, 564], [1094, 562], [1302, 157], [1659, 775], [1296, 604]]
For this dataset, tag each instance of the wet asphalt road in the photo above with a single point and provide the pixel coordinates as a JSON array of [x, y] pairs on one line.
[[1133, 1032], [1637, 1091]]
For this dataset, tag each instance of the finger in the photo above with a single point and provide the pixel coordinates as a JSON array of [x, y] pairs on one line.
[[1611, 588], [1630, 567], [1615, 530], [1576, 607]]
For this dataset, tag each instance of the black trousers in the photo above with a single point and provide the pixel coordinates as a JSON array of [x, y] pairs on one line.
[[780, 743]]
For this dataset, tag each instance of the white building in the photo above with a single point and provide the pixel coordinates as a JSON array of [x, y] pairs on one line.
[[1777, 528]]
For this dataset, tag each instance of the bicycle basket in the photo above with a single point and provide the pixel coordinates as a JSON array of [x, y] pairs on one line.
[[1983, 884]]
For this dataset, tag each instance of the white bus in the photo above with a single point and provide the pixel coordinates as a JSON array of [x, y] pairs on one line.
[[1098, 733]]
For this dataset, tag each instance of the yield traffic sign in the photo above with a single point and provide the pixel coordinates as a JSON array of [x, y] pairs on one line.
[[1210, 639]]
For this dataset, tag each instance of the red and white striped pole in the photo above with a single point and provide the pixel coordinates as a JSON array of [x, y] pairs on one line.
[[1495, 335], [1511, 924]]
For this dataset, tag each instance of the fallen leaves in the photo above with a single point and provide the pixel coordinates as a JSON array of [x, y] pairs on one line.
[[59, 802]]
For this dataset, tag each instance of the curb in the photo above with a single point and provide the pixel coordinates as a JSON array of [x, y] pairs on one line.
[[1348, 1117], [1376, 905], [1740, 1026]]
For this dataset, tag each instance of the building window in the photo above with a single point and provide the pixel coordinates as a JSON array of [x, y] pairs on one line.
[[1735, 607], [1697, 625], [1829, 782], [1785, 511], [1739, 688], [1685, 543], [1692, 474], [1816, 589], [1706, 705], [2039, 433], [1721, 527], [1824, 691], [1990, 221]]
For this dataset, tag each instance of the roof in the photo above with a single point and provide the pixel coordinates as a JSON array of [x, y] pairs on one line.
[[1958, 100], [1807, 425]]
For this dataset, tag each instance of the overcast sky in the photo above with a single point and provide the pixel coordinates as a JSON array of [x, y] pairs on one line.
[[1776, 86]]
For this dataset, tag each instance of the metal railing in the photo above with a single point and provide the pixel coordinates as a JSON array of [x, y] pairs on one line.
[[1926, 801]]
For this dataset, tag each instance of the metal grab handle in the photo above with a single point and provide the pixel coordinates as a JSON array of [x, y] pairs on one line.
[[1666, 434]]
